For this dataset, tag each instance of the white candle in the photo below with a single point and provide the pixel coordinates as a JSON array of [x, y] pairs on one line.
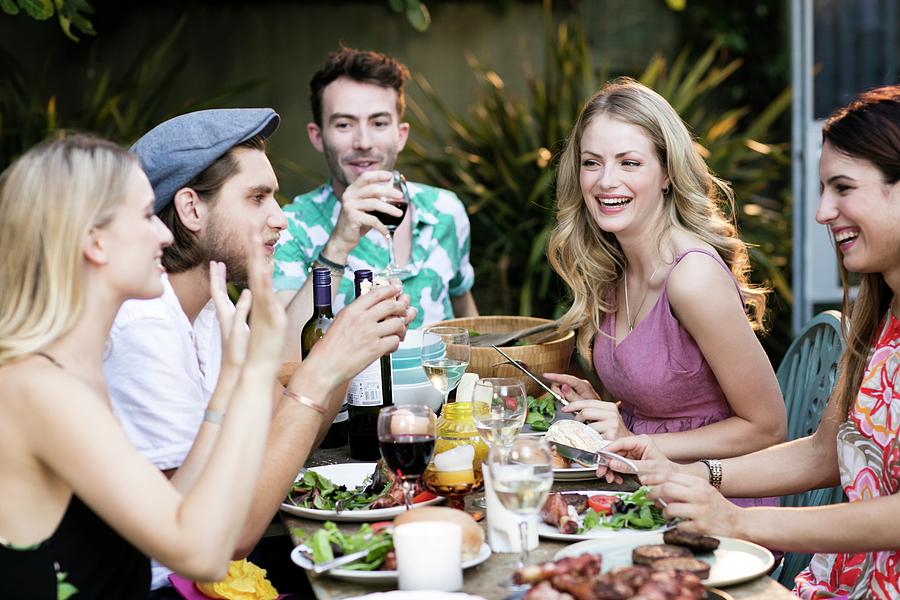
[[429, 556]]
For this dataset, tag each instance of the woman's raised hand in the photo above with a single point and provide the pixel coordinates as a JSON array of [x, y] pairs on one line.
[[267, 321], [232, 318]]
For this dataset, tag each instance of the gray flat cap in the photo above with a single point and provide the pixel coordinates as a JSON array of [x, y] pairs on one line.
[[177, 150]]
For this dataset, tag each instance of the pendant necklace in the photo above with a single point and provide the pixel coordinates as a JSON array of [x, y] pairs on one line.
[[643, 298]]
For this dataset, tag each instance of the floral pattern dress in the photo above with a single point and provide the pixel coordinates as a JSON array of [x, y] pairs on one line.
[[867, 446]]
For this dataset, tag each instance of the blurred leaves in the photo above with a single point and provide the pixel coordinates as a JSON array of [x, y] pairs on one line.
[[69, 13], [500, 157], [416, 13], [120, 104]]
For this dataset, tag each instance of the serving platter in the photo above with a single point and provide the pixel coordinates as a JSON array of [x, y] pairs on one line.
[[350, 475], [387, 576], [735, 561]]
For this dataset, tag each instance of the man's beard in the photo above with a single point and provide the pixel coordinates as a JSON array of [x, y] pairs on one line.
[[219, 246]]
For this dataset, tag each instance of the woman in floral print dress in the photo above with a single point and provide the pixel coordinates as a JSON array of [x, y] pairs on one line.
[[856, 444]]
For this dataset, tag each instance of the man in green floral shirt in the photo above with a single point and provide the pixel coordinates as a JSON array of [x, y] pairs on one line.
[[357, 103]]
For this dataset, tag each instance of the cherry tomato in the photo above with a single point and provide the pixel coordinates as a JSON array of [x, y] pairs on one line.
[[602, 505], [424, 497]]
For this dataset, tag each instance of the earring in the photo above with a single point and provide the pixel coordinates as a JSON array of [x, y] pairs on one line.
[[666, 190]]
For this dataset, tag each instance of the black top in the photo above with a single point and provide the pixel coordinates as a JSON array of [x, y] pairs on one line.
[[84, 559]]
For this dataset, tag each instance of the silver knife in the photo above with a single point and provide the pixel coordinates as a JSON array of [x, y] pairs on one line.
[[516, 364], [591, 459]]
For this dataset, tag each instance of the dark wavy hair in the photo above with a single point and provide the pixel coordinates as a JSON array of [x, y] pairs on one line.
[[364, 66], [867, 129]]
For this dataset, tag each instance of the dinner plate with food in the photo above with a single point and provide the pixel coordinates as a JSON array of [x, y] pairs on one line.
[[592, 515], [589, 575], [715, 561], [355, 492], [380, 565]]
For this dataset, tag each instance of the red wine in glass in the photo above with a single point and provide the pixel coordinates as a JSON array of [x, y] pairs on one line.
[[390, 221], [407, 455], [406, 437]]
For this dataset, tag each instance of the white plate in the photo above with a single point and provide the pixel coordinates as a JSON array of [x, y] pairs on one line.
[[351, 475], [599, 533], [735, 561], [574, 474], [389, 576], [417, 595]]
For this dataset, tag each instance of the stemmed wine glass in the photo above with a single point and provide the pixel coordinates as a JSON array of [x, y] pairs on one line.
[[406, 440], [521, 476], [444, 372], [499, 405], [392, 222]]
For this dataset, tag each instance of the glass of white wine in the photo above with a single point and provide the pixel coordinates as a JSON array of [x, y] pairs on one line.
[[445, 371], [499, 405], [521, 477]]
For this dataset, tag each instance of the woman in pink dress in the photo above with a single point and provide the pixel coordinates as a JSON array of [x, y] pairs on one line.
[[856, 444], [661, 296]]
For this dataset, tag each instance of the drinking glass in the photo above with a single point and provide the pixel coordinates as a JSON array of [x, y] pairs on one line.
[[444, 372], [521, 477], [406, 440], [392, 222], [499, 405]]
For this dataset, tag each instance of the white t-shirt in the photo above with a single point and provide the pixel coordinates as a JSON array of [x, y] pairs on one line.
[[161, 371]]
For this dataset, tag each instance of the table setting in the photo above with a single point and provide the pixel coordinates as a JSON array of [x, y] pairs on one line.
[[486, 476]]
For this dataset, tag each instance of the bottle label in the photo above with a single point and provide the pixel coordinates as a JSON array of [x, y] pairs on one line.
[[343, 414], [365, 388]]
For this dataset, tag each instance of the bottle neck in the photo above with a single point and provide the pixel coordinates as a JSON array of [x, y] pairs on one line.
[[322, 297]]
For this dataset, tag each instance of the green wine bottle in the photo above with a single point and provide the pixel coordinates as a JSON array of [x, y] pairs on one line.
[[311, 333]]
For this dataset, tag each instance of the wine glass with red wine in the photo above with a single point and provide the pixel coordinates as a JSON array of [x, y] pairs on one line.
[[406, 440], [392, 222]]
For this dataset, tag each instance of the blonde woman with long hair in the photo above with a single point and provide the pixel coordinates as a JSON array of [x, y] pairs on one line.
[[856, 443], [661, 298], [81, 508]]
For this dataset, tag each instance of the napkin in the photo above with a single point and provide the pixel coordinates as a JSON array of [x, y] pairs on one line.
[[189, 591], [502, 525]]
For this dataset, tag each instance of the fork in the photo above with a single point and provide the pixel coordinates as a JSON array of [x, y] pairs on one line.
[[305, 552]]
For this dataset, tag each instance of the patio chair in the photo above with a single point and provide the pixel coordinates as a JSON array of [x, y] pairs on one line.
[[806, 377]]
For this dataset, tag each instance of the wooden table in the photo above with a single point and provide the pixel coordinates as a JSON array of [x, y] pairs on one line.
[[484, 579]]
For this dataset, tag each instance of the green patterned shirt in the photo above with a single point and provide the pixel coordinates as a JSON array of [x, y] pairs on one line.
[[439, 262]]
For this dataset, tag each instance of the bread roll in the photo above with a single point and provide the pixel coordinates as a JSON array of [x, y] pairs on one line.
[[472, 533], [576, 434]]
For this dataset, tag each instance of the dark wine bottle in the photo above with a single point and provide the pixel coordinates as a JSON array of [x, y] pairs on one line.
[[311, 333], [368, 393]]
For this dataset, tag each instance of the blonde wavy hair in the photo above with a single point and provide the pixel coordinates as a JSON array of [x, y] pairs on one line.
[[591, 260], [50, 198]]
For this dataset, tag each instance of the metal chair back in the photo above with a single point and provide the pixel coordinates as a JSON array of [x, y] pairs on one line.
[[806, 377]]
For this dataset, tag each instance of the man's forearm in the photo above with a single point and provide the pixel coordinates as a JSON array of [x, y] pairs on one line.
[[464, 306]]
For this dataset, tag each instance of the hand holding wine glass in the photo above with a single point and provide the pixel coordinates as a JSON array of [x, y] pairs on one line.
[[392, 222], [499, 405], [521, 477], [406, 437], [444, 372]]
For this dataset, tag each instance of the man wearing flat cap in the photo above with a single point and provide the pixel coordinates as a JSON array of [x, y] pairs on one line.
[[214, 186]]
